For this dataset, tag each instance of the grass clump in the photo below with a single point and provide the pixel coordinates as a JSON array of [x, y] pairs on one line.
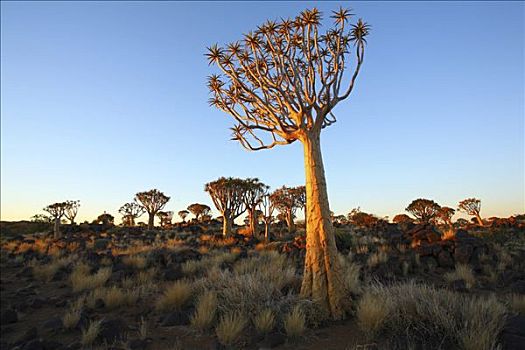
[[264, 321], [205, 311], [136, 261], [175, 296], [464, 273], [230, 328], [72, 316], [81, 279], [438, 318], [90, 334], [372, 312], [295, 322]]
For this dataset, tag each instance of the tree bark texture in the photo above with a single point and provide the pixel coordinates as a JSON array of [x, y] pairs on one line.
[[322, 279]]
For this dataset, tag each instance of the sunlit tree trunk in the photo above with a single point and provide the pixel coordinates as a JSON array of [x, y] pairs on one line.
[[289, 221], [322, 275], [227, 226], [57, 233], [267, 231], [478, 218], [151, 220], [253, 222]]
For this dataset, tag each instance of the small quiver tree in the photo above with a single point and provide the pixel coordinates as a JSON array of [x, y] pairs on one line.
[[267, 209], [56, 211], [130, 212], [471, 206], [183, 214], [227, 194], [199, 209], [424, 210], [153, 201], [254, 191], [71, 211]]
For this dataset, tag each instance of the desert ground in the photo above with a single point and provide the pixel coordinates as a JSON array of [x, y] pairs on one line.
[[185, 286]]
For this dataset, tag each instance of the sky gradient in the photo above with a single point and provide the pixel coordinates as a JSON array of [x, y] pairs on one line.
[[103, 100]]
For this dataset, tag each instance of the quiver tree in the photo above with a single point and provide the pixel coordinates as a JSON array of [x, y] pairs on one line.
[[105, 219], [424, 210], [402, 218], [56, 211], [183, 214], [471, 206], [360, 218], [130, 212], [281, 84], [165, 218], [444, 216], [198, 210], [254, 191], [266, 208], [287, 200], [71, 210], [153, 201], [227, 194]]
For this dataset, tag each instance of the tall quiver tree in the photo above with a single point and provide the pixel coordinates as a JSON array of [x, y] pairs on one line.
[[153, 201], [130, 212], [281, 84], [471, 206], [199, 209], [254, 191], [71, 210], [183, 214], [287, 200], [267, 208], [57, 211], [227, 195], [424, 210]]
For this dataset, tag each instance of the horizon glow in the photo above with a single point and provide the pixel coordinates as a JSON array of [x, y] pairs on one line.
[[102, 100]]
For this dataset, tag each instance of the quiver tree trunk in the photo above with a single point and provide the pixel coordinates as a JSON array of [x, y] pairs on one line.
[[253, 222], [267, 231], [227, 224], [151, 220], [478, 218], [289, 221], [322, 275], [57, 234]]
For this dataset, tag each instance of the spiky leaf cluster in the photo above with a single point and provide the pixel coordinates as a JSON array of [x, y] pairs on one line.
[[285, 78]]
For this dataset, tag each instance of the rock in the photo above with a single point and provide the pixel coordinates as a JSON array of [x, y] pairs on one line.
[[518, 287], [33, 345], [101, 244], [513, 334], [37, 303], [53, 324], [138, 344], [463, 253], [9, 316], [445, 259], [112, 330], [271, 341], [176, 318], [173, 274], [30, 334], [52, 345], [458, 285]]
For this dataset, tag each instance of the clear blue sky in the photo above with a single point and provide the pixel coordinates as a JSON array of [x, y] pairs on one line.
[[102, 100]]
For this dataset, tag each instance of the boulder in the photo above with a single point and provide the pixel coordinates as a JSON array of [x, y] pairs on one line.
[[112, 330], [445, 259], [176, 318], [9, 316]]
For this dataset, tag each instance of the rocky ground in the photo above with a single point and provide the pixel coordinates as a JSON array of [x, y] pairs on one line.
[[188, 288]]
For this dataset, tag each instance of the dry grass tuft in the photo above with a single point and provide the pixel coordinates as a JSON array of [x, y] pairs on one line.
[[72, 315], [175, 296], [264, 321], [372, 313], [205, 311], [230, 328], [462, 273], [295, 322], [377, 258], [47, 272], [90, 334], [350, 272], [136, 261], [435, 317], [82, 280], [517, 303]]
